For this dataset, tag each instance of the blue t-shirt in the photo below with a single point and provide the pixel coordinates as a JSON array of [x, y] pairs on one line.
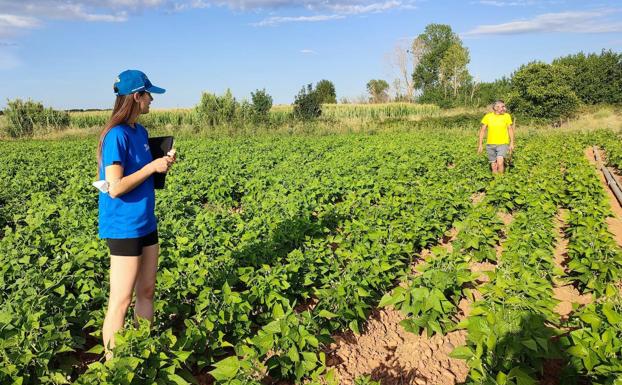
[[132, 214]]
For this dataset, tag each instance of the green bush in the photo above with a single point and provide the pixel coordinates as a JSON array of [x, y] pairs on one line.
[[25, 118], [262, 103], [307, 104], [326, 90], [214, 110], [541, 90]]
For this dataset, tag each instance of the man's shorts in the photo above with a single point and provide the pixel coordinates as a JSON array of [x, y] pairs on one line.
[[131, 247], [496, 150]]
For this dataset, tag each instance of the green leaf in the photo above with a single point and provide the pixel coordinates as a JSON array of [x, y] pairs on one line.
[[277, 312], [60, 290], [591, 318], [613, 317], [462, 352], [531, 344], [182, 355], [273, 327], [326, 314], [177, 379], [226, 369], [501, 378], [521, 377], [97, 349], [293, 354]]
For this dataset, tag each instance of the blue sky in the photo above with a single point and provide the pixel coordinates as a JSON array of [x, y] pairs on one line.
[[67, 53]]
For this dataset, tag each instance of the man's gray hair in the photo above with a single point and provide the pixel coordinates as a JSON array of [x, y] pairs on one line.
[[497, 102]]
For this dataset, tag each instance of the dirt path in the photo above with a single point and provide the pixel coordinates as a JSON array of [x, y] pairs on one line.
[[394, 357], [615, 222], [567, 295]]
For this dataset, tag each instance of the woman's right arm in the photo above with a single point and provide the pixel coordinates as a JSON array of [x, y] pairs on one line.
[[120, 185]]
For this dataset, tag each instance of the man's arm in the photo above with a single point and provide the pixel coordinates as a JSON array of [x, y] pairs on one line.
[[482, 132]]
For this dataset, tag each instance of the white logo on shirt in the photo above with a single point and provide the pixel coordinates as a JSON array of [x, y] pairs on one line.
[[146, 147]]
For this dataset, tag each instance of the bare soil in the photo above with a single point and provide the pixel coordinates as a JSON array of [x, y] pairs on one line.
[[482, 267], [568, 296], [478, 197], [393, 356]]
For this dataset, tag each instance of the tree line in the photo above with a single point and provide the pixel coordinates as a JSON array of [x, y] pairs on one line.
[[433, 69]]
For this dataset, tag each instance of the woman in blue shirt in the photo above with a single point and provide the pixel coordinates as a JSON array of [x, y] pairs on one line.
[[126, 212]]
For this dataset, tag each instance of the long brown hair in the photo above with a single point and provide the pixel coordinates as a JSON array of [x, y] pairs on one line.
[[124, 108]]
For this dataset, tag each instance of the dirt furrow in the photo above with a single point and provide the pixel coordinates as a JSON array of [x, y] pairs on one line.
[[615, 222], [567, 295]]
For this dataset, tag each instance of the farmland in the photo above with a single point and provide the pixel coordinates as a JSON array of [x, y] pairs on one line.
[[278, 114], [274, 245]]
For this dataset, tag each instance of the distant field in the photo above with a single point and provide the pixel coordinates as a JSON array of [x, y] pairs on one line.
[[278, 114]]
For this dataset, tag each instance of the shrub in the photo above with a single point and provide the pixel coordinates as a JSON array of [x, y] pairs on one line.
[[262, 103], [214, 110], [25, 118], [541, 90], [307, 105], [326, 91]]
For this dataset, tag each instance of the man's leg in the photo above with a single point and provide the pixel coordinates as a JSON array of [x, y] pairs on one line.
[[493, 167], [500, 164], [491, 151]]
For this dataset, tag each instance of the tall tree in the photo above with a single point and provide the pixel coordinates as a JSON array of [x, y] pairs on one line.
[[377, 89], [596, 78], [326, 91], [453, 72], [436, 40], [403, 60]]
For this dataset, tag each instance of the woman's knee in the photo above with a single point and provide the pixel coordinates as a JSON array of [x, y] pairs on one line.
[[119, 303], [145, 292]]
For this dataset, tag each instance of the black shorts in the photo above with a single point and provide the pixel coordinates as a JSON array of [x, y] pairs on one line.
[[131, 247]]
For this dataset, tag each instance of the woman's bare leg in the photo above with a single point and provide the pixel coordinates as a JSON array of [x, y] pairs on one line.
[[123, 272], [145, 282]]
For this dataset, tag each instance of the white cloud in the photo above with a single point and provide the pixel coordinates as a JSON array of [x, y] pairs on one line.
[[10, 25], [275, 20], [308, 51], [14, 21], [24, 14], [356, 9], [340, 9], [77, 11], [572, 21], [505, 3]]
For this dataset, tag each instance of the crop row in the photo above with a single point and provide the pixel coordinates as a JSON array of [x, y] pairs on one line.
[[513, 329]]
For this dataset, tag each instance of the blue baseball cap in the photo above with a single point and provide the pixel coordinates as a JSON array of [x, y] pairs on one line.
[[130, 81]]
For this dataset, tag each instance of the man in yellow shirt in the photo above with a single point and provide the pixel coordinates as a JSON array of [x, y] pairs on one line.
[[500, 139]]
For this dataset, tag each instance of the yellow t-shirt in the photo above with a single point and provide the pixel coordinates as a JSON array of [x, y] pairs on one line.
[[497, 127]]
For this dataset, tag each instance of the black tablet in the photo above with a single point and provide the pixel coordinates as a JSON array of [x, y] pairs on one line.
[[159, 147]]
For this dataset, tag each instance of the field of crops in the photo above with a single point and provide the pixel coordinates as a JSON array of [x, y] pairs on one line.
[[278, 114], [271, 245]]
